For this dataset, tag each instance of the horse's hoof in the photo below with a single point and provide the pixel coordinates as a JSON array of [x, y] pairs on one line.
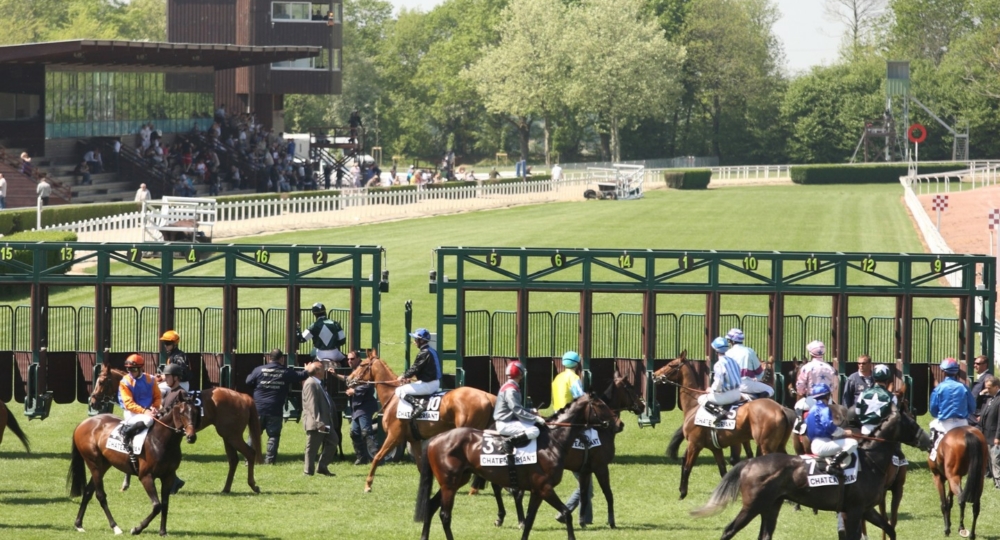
[[226, 491], [163, 533], [498, 523], [683, 495], [80, 529], [520, 525], [117, 529], [368, 489], [611, 525], [255, 489], [136, 530], [964, 533]]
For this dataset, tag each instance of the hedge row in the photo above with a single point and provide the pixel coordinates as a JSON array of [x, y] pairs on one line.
[[687, 178], [23, 219], [862, 174]]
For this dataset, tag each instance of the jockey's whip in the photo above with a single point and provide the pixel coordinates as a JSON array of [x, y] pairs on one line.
[[682, 387]]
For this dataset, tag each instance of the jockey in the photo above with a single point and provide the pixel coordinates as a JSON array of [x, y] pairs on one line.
[[750, 369], [512, 419], [826, 437], [172, 374], [726, 382], [327, 336], [814, 372], [139, 397], [426, 368], [566, 386], [951, 402], [170, 340], [875, 403]]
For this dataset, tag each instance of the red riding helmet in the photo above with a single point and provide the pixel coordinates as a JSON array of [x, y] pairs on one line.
[[134, 360], [515, 369]]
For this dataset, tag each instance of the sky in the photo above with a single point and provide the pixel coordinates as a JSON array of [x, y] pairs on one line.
[[809, 37]]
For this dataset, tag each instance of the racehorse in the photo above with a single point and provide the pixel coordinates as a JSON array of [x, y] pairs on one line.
[[461, 407], [767, 481], [620, 396], [454, 456], [962, 452], [762, 420], [231, 412], [160, 457], [7, 419]]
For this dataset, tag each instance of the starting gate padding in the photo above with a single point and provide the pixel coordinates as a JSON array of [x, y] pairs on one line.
[[51, 353], [658, 336]]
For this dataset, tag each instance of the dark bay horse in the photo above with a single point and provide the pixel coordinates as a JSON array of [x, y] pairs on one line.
[[461, 407], [454, 456], [620, 396], [231, 413], [160, 457], [766, 482], [7, 420], [962, 452], [761, 420]]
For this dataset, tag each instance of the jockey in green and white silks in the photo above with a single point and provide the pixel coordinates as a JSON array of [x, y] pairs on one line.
[[875, 403]]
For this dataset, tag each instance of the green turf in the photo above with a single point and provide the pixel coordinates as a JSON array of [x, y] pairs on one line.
[[858, 218], [820, 218]]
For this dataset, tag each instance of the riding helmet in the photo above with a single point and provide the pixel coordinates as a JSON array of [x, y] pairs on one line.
[[515, 369], [735, 335], [134, 360], [173, 369], [720, 345], [882, 373], [319, 309], [949, 366], [571, 359], [819, 390], [421, 334], [816, 349], [170, 336]]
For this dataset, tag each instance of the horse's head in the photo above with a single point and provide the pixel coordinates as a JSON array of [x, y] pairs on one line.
[[589, 411], [181, 413], [105, 387], [671, 371], [622, 396], [363, 373], [902, 427]]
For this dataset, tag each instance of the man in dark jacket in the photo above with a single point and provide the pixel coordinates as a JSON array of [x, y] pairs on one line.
[[990, 424], [981, 370], [270, 384], [364, 405], [427, 370]]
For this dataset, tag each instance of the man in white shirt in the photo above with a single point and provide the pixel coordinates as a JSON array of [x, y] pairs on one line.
[[44, 190], [3, 192], [556, 172], [142, 194]]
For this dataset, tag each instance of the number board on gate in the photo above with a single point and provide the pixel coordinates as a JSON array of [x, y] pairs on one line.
[[6, 253], [750, 263], [558, 260], [494, 259], [812, 264], [868, 265], [937, 266]]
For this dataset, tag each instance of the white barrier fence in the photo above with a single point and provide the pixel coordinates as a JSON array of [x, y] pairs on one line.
[[751, 172], [980, 174]]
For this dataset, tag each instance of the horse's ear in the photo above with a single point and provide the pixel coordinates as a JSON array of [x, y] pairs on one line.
[[683, 355], [372, 353], [617, 376]]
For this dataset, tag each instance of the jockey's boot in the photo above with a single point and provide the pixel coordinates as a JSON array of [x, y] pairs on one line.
[[510, 443], [719, 411], [370, 442], [935, 435], [129, 433], [836, 467], [419, 406]]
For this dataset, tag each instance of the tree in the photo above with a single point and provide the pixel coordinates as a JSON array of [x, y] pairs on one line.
[[859, 16], [927, 28], [623, 68], [524, 74]]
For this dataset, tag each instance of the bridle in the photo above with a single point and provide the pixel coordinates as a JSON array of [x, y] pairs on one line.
[[603, 424], [635, 401], [662, 379]]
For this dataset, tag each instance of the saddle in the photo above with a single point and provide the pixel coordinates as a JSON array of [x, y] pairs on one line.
[[747, 396], [717, 416]]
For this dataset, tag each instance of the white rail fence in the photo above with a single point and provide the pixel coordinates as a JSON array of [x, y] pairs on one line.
[[751, 172], [980, 174]]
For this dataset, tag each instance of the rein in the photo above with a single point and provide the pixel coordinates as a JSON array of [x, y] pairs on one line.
[[164, 424], [682, 387]]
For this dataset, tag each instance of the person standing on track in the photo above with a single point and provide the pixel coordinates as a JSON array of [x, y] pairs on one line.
[[566, 387], [859, 381], [270, 384]]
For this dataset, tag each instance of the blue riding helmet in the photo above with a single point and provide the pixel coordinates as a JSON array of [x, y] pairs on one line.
[[819, 390], [720, 345], [570, 359], [421, 333], [735, 335], [949, 366]]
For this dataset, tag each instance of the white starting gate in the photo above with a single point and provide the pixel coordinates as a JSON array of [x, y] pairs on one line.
[[623, 182], [177, 214]]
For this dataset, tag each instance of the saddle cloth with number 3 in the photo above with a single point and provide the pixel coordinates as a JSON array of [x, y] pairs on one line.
[[492, 454]]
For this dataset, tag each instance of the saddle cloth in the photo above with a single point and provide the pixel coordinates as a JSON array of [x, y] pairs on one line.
[[592, 437], [937, 442], [433, 413], [706, 419], [116, 443], [492, 455], [817, 475], [899, 462]]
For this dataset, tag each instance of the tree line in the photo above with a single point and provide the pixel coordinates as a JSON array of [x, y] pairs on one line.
[[617, 79]]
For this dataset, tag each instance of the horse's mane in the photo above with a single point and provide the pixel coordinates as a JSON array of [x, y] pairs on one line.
[[172, 397], [385, 365]]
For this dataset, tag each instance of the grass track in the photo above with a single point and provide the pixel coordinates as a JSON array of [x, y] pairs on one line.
[[823, 218]]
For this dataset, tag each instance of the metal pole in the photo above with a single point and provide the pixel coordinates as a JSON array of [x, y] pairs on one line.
[[38, 217]]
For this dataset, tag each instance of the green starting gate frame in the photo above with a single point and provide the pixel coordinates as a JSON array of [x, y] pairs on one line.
[[44, 265], [652, 272]]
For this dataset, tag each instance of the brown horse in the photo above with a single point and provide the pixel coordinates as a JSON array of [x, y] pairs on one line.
[[620, 396], [454, 456], [228, 410], [462, 407], [962, 452], [761, 420], [160, 457], [7, 420]]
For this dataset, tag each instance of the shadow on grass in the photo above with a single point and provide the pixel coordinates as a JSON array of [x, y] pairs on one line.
[[34, 455], [175, 532], [33, 526], [33, 501], [705, 458]]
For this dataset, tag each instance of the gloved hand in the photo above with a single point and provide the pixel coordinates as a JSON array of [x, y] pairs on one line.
[[539, 421]]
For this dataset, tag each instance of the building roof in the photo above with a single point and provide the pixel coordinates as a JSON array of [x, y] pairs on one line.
[[102, 55]]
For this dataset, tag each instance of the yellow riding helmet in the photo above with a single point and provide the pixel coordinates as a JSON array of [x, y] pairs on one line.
[[170, 335]]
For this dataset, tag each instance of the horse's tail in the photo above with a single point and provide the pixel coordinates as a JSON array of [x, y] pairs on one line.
[[255, 434], [674, 446], [789, 426], [424, 488], [974, 481], [76, 478], [478, 482], [725, 493], [16, 429]]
